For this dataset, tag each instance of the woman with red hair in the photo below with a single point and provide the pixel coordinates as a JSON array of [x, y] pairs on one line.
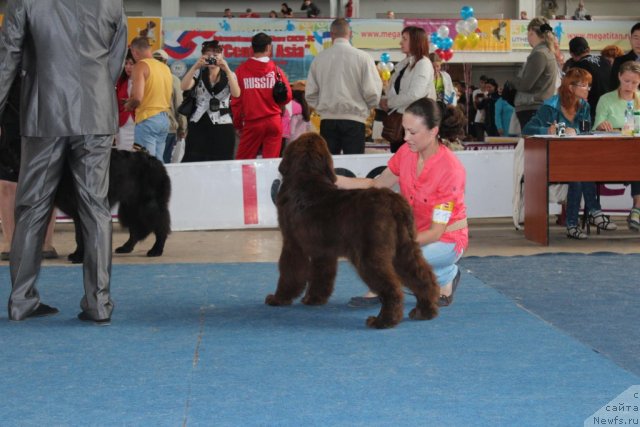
[[570, 107]]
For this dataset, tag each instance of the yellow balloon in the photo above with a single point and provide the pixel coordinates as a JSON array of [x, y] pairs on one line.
[[385, 75], [473, 39], [460, 41]]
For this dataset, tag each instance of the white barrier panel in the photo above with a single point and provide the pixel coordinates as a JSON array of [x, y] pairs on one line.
[[238, 193]]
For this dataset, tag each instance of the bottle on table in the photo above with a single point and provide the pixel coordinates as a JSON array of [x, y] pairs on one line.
[[628, 126]]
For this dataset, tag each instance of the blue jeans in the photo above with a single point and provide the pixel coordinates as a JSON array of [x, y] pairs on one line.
[[170, 144], [442, 257], [577, 190], [152, 133]]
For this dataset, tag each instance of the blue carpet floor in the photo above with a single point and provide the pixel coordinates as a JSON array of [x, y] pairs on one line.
[[594, 298], [195, 345]]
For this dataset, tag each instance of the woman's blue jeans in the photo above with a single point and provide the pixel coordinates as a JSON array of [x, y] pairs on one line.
[[442, 257], [577, 190]]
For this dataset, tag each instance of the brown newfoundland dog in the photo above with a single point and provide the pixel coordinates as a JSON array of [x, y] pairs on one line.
[[373, 228]]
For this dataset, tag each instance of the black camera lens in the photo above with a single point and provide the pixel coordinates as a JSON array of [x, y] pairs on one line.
[[214, 104], [211, 60]]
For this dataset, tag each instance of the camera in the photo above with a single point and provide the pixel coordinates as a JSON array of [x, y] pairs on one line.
[[214, 104], [211, 60]]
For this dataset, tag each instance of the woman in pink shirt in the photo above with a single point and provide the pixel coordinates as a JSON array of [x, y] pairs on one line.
[[432, 179]]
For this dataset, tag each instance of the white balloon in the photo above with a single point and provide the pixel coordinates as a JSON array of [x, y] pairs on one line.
[[472, 24], [461, 27], [443, 31], [390, 66]]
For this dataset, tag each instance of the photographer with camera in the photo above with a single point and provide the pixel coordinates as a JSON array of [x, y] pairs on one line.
[[210, 133]]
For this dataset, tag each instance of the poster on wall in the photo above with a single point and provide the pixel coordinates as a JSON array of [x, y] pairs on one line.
[[598, 34], [295, 42], [148, 26], [376, 33]]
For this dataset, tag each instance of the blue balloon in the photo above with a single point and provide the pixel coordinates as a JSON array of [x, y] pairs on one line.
[[435, 39], [446, 43], [384, 58], [466, 12]]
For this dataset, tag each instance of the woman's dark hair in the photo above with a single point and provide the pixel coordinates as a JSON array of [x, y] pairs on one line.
[[450, 120], [298, 95], [285, 9], [418, 43], [213, 45], [123, 75], [453, 124], [509, 92]]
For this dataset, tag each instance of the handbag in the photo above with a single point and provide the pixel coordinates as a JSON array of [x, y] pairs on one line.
[[279, 90], [188, 105], [392, 129]]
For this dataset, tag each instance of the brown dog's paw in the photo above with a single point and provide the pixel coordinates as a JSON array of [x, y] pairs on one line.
[[275, 301], [311, 300], [378, 323], [417, 314]]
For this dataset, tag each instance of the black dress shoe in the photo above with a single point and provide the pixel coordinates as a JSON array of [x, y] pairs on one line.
[[86, 318], [446, 300], [43, 310]]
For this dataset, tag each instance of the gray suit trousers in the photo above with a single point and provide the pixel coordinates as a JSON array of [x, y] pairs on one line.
[[40, 172]]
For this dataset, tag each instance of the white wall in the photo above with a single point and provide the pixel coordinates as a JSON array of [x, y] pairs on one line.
[[369, 8], [190, 7], [146, 7]]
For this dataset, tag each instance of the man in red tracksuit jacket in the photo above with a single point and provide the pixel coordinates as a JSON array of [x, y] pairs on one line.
[[256, 115]]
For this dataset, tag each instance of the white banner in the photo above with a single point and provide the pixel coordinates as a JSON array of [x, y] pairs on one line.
[[240, 193]]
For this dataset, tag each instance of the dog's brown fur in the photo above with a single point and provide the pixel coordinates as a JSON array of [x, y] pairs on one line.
[[373, 228]]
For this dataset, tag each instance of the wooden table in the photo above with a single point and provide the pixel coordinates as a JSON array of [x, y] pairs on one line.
[[589, 158]]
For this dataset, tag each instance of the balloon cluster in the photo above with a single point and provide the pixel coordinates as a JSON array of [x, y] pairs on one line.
[[443, 42], [466, 29], [385, 67]]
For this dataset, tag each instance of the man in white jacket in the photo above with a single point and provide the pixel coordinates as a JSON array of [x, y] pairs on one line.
[[343, 86]]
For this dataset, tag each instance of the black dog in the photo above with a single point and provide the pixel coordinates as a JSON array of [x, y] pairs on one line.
[[140, 184]]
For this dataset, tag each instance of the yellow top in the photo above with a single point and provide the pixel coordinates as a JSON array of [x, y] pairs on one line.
[[157, 90]]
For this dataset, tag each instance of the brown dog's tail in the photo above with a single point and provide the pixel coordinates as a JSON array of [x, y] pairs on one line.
[[412, 267]]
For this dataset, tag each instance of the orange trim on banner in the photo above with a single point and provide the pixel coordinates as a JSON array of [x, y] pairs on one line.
[[249, 194]]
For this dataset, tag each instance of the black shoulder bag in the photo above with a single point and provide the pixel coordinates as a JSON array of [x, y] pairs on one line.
[[279, 90], [188, 105]]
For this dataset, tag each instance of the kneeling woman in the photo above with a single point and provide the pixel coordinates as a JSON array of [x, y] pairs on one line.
[[432, 179], [570, 107]]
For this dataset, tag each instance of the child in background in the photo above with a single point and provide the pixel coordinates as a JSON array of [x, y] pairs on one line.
[[296, 115]]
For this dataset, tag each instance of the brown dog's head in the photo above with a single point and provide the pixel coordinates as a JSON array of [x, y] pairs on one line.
[[307, 156]]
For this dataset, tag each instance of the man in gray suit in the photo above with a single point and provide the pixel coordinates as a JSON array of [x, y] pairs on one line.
[[71, 53]]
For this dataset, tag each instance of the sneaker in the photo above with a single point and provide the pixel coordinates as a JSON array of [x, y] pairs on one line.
[[576, 233], [602, 221], [633, 220]]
